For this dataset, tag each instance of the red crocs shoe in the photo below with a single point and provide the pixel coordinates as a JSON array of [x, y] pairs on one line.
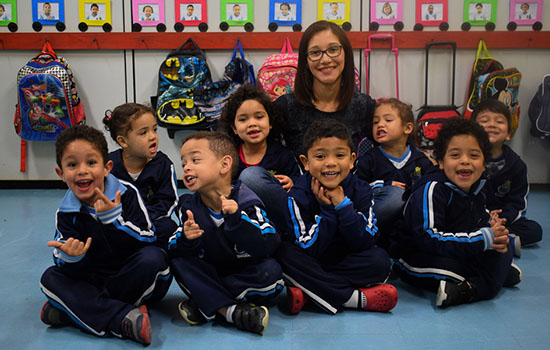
[[381, 297], [296, 299]]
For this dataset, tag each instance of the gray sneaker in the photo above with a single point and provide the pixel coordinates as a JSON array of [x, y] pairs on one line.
[[136, 325]]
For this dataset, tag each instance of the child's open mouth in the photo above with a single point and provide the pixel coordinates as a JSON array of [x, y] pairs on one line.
[[330, 174], [84, 185], [464, 174]]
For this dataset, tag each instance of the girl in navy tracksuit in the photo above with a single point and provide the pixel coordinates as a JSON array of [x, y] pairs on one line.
[[133, 127], [395, 165]]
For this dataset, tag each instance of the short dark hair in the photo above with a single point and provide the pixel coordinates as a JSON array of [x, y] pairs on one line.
[[146, 6], [243, 93], [479, 4], [81, 132], [404, 111], [119, 121], [495, 106], [303, 85], [524, 4], [219, 143], [2, 6], [325, 128], [46, 3], [94, 5], [460, 126], [284, 4], [190, 5]]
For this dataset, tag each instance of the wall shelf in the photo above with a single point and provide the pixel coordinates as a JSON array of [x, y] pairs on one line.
[[263, 40]]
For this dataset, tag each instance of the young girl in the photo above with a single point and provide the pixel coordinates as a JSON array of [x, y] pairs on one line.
[[140, 163], [250, 117], [395, 164]]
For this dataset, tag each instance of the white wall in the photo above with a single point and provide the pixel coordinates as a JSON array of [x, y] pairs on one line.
[[105, 78]]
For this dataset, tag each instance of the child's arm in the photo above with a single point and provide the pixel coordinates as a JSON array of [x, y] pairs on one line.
[[164, 200], [516, 200], [187, 240]]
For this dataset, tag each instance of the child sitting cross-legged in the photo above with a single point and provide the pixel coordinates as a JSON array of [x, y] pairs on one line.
[[447, 240], [332, 257], [221, 255]]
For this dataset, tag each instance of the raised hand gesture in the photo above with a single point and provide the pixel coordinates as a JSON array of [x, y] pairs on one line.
[[190, 228], [229, 206], [72, 246], [103, 204]]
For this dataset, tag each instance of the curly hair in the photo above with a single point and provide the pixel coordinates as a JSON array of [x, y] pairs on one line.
[[81, 132], [325, 128], [244, 93], [460, 126]]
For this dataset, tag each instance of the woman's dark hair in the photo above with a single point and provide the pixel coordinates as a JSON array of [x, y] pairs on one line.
[[303, 85], [243, 93]]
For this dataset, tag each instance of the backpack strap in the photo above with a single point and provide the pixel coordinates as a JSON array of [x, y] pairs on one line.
[[482, 49], [23, 167], [240, 47], [287, 47]]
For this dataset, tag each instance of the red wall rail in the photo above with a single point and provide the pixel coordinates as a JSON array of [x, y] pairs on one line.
[[262, 40]]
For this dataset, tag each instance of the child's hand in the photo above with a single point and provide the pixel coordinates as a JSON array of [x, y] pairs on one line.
[[229, 206], [501, 236], [495, 217], [398, 184], [336, 195], [103, 204], [285, 181], [190, 228], [319, 192], [72, 246]]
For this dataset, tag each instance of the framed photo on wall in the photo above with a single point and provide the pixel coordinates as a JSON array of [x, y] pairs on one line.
[[386, 12], [8, 12], [479, 13], [48, 12], [334, 11], [431, 12], [148, 12], [285, 13], [526, 12], [191, 12], [94, 12], [237, 12]]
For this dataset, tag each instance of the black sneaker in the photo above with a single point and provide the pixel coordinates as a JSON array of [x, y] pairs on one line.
[[251, 318], [54, 317], [136, 325], [450, 293], [191, 313], [514, 276]]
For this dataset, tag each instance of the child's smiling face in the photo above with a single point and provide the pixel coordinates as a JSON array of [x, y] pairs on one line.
[[463, 162], [252, 123]]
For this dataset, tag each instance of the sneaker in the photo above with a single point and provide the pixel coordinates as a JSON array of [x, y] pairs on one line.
[[136, 325], [296, 299], [450, 293], [54, 317], [381, 297], [514, 276], [191, 313], [251, 318], [516, 242]]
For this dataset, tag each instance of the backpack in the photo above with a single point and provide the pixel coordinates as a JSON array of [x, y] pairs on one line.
[[277, 74], [47, 100], [489, 79], [179, 74], [430, 119], [539, 110], [239, 69], [211, 98]]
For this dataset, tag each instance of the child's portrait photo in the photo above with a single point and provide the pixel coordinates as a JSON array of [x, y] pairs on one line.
[[284, 11], [432, 12], [334, 10], [523, 10], [236, 12], [5, 12], [191, 12], [526, 12], [386, 10], [95, 11], [479, 11], [148, 12], [48, 10]]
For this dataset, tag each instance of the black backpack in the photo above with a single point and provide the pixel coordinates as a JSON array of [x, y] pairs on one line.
[[539, 110]]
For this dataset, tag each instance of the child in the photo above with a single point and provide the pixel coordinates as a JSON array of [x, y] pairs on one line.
[[148, 13], [395, 165], [250, 117], [524, 14], [506, 173], [3, 15], [333, 13], [47, 11], [237, 15], [105, 263], [448, 241], [332, 256], [94, 13], [134, 128], [285, 12], [189, 16], [387, 11], [479, 15], [220, 258]]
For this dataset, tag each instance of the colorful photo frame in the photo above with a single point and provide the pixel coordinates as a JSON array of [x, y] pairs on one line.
[[148, 13], [285, 13], [334, 11], [191, 12], [8, 12], [48, 12], [386, 12], [480, 12], [94, 12], [431, 12], [526, 12], [237, 12]]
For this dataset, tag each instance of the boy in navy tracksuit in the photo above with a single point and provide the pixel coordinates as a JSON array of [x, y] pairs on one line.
[[507, 186], [332, 257], [448, 240], [106, 265], [220, 256]]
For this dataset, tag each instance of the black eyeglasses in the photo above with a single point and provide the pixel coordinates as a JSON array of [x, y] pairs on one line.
[[332, 52]]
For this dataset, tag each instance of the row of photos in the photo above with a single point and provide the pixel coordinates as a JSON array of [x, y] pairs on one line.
[[284, 13]]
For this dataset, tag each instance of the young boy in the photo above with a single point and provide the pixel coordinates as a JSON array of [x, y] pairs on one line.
[[332, 256], [507, 186], [447, 239], [220, 258], [105, 263]]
